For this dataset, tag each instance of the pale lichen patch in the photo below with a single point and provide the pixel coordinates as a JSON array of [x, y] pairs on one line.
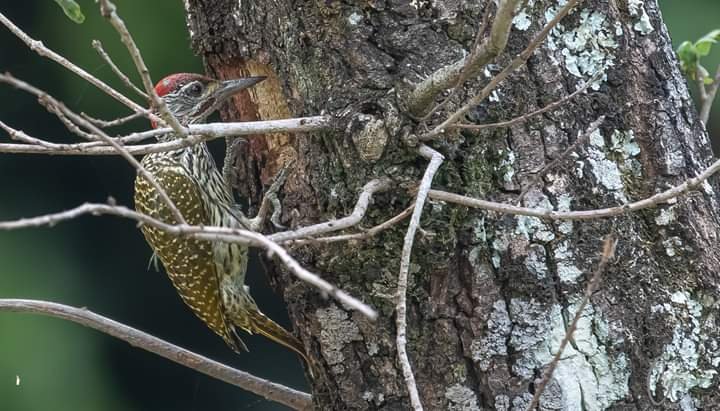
[[494, 343], [567, 272], [522, 21], [532, 228], [665, 216], [587, 49], [563, 204], [589, 375], [499, 246], [461, 398], [679, 368], [535, 262], [642, 24], [337, 330], [626, 150], [502, 402], [355, 18], [605, 171], [505, 167]]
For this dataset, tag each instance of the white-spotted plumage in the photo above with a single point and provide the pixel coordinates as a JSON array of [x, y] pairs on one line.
[[209, 276]]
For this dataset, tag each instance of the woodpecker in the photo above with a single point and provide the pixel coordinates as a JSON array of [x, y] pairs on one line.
[[209, 276]]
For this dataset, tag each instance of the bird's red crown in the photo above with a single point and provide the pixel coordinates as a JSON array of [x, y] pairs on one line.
[[175, 81]]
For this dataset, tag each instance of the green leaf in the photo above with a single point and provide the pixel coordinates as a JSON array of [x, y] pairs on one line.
[[714, 35], [705, 42], [702, 47], [689, 58], [72, 10], [686, 52]]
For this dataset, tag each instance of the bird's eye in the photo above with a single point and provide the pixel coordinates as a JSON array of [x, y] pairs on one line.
[[195, 89]]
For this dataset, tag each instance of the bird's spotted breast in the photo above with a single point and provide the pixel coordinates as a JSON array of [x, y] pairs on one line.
[[190, 263]]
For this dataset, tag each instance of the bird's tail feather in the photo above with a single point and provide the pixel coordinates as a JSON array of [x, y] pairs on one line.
[[268, 328]]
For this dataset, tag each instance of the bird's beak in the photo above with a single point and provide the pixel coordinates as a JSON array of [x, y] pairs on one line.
[[228, 88]]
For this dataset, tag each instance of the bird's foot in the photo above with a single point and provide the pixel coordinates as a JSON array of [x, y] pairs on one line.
[[270, 199]]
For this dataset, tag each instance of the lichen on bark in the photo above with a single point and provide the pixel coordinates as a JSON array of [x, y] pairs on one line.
[[490, 295]]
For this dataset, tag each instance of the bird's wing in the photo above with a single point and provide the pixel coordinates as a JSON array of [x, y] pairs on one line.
[[189, 262]]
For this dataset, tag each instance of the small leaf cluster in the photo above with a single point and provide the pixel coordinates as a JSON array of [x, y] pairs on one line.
[[690, 54]]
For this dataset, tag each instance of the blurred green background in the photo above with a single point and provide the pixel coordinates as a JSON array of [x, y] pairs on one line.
[[101, 263]]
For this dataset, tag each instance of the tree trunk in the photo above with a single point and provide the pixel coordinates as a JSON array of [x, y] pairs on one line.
[[490, 295]]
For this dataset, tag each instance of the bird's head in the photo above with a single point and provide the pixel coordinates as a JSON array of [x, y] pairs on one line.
[[192, 97]]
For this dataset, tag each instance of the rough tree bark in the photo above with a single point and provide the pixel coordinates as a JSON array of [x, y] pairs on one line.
[[490, 295]]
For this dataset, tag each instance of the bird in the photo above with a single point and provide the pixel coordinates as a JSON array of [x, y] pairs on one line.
[[208, 276]]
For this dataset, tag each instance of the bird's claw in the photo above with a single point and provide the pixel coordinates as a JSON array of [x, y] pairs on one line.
[[270, 199]]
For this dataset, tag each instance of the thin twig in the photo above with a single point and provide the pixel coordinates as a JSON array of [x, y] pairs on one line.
[[111, 123], [369, 233], [294, 399], [97, 45], [592, 286], [525, 117], [40, 49], [24, 137], [77, 119], [517, 62], [559, 159], [436, 160], [424, 93], [199, 133], [652, 201], [207, 233], [708, 96], [72, 127], [361, 206], [109, 11]]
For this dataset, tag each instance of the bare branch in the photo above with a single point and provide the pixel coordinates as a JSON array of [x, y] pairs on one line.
[[436, 160], [592, 286], [294, 399], [72, 127], [358, 213], [369, 233], [199, 133], [25, 138], [525, 117], [424, 93], [76, 118], [97, 45], [662, 197], [40, 49], [516, 63], [109, 11], [472, 58], [208, 233], [111, 123], [707, 96]]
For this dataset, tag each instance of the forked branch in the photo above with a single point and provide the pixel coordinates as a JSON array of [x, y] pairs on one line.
[[516, 63], [40, 49], [208, 233], [425, 92]]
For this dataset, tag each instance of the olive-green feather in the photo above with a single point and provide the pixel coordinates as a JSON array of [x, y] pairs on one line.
[[189, 263]]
